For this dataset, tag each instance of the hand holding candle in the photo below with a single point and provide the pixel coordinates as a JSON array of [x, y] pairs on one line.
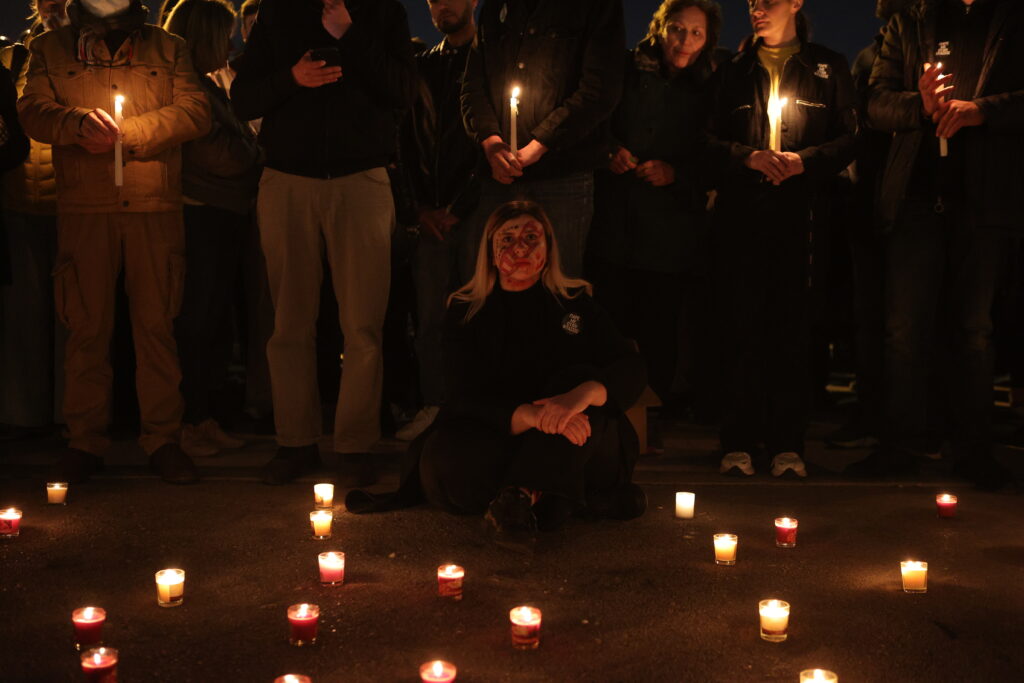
[[10, 523], [303, 620], [119, 143], [99, 665], [449, 581], [438, 671], [525, 627], [774, 620], [88, 622]]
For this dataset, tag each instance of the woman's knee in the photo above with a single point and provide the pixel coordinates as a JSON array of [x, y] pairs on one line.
[[458, 469]]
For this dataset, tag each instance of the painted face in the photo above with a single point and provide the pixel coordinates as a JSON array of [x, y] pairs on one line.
[[520, 253], [684, 36], [770, 17], [450, 16]]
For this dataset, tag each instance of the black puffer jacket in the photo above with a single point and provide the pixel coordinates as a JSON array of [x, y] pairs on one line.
[[994, 172]]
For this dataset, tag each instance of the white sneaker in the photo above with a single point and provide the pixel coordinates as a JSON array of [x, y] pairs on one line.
[[215, 435], [417, 425], [737, 460], [788, 461], [195, 443]]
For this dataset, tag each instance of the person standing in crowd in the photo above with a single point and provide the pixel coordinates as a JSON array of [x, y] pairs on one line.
[[31, 344], [947, 84], [442, 161], [565, 57], [329, 79], [220, 172], [74, 75], [14, 148], [650, 224], [784, 118]]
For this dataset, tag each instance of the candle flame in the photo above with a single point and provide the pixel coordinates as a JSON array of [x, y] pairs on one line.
[[119, 100], [438, 669], [88, 612], [819, 675], [97, 659], [912, 565], [449, 570], [515, 93], [303, 610], [946, 498]]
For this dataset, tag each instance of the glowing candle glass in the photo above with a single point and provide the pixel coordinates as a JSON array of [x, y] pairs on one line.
[[57, 493], [321, 520], [438, 671], [88, 622], [170, 587], [774, 620], [323, 495], [525, 627], [293, 678], [725, 548], [945, 504], [332, 567], [775, 107], [818, 676], [10, 523], [303, 620], [785, 532], [915, 576], [684, 504], [119, 141], [99, 665], [449, 581]]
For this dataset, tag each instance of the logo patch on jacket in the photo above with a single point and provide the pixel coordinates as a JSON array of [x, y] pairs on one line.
[[503, 14], [571, 323], [824, 71], [943, 49]]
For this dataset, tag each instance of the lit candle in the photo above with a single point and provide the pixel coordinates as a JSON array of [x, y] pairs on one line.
[[321, 522], [10, 523], [303, 620], [775, 107], [525, 627], [119, 142], [945, 503], [438, 671], [57, 493], [514, 133], [725, 548], [818, 676], [332, 567], [774, 620], [785, 532], [88, 622], [170, 587], [943, 147], [323, 495], [293, 678], [449, 581], [684, 504], [100, 665], [915, 576]]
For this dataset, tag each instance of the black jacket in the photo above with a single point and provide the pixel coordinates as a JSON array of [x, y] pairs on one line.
[[336, 129], [13, 151], [819, 123], [567, 59], [994, 173]]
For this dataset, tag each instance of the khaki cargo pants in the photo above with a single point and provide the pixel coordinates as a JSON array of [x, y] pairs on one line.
[[350, 218], [92, 249]]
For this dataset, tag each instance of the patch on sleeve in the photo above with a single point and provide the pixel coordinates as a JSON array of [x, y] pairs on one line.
[[571, 323]]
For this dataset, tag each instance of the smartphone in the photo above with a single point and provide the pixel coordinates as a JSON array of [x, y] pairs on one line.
[[331, 55]]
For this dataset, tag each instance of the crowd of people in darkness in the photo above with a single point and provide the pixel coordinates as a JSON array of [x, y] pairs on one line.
[[550, 223]]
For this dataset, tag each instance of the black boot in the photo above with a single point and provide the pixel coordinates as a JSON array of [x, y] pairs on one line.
[[75, 466], [291, 462], [173, 466]]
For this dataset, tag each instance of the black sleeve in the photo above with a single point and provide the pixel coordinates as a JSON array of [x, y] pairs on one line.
[[891, 108], [722, 155], [262, 83], [377, 52], [13, 142], [478, 113], [613, 360], [832, 156]]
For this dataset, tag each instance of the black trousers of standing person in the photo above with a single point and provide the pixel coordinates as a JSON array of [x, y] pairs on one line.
[[213, 244], [763, 243]]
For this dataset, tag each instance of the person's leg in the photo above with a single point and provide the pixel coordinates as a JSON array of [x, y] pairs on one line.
[[656, 305], [569, 203], [461, 466], [259, 322], [433, 264]]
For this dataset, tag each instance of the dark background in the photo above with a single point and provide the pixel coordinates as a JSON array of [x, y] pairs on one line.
[[844, 25]]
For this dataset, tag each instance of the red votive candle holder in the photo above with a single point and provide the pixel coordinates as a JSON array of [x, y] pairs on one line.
[[945, 504], [438, 671], [303, 619], [10, 523], [99, 665], [449, 581], [785, 532], [293, 678], [332, 567], [525, 627], [88, 623]]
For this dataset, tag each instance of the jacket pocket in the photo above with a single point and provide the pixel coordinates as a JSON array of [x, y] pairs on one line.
[[151, 88], [71, 309], [813, 105], [175, 283]]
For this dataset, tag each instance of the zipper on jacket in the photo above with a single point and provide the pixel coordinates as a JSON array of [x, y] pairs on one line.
[[816, 105]]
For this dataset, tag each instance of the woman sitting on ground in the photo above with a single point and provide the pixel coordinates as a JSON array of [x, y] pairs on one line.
[[538, 380]]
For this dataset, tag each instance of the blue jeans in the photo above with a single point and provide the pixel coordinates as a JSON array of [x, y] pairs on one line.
[[568, 201]]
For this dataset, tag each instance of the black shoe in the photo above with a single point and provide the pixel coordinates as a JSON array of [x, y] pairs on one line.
[[290, 462], [356, 470], [173, 466], [882, 463], [1014, 440], [985, 472], [552, 512], [851, 435], [629, 503], [511, 520], [75, 466]]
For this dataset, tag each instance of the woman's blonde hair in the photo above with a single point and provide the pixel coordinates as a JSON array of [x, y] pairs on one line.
[[476, 291], [205, 25]]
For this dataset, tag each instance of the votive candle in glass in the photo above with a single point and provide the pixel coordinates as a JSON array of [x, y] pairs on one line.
[[303, 619], [293, 678], [438, 671], [170, 587], [945, 504], [525, 627], [323, 495], [725, 548], [449, 581], [332, 567], [785, 532], [10, 523], [818, 676], [88, 622], [774, 620], [57, 493], [99, 665], [684, 504], [321, 523], [915, 576]]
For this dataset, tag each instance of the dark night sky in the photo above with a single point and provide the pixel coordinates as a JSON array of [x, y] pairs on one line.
[[844, 25]]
